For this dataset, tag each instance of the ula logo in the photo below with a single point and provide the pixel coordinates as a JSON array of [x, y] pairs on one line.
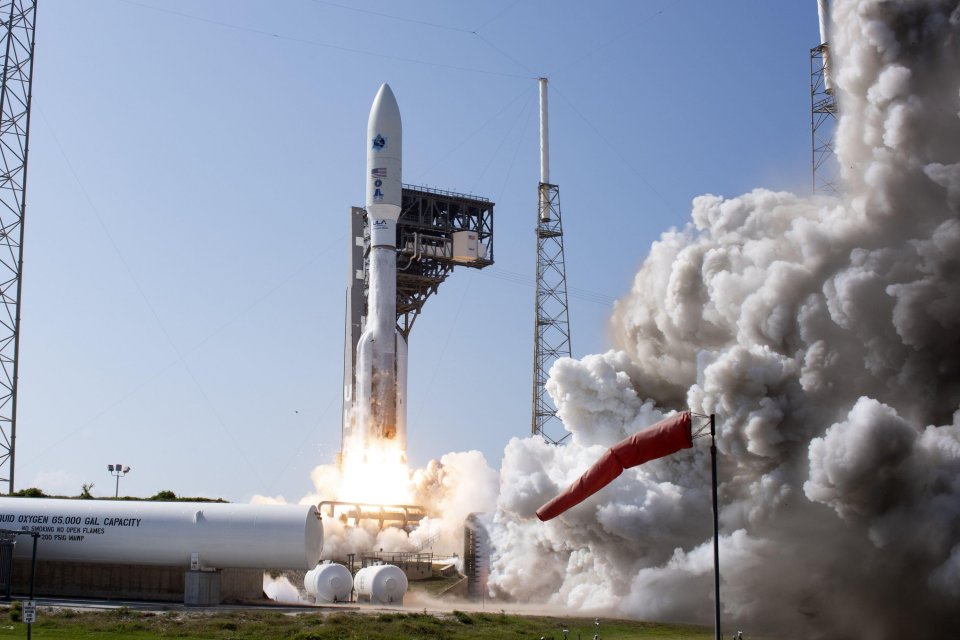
[[379, 224]]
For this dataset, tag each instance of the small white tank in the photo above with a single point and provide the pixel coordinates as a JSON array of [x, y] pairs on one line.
[[380, 584], [329, 582]]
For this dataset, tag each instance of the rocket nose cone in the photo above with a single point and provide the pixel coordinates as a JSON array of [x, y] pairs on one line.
[[385, 113], [385, 93]]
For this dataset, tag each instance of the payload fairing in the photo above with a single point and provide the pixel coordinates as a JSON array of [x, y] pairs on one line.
[[380, 408]]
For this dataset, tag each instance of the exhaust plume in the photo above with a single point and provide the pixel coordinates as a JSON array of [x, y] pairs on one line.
[[825, 336]]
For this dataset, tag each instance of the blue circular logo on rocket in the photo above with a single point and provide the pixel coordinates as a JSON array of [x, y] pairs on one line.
[[379, 143]]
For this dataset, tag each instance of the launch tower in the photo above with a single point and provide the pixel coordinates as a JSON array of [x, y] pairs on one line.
[[552, 321], [17, 42]]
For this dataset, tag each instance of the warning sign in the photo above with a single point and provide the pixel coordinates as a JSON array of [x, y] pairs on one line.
[[29, 611]]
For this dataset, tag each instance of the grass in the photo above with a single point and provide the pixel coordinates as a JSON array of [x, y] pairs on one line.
[[256, 625]]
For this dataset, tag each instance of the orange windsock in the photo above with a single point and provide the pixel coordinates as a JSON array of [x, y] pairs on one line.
[[666, 437]]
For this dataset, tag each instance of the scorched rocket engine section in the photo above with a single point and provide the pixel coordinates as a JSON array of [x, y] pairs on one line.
[[380, 410]]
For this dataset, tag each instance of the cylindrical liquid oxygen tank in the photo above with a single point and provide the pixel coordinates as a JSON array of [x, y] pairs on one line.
[[380, 584], [329, 582], [217, 535]]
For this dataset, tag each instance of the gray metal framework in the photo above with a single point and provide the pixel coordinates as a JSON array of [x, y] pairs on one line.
[[408, 515], [476, 556], [17, 35], [430, 220], [552, 324], [823, 121]]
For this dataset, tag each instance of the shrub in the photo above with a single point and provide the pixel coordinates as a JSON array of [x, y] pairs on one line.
[[32, 492], [16, 611], [462, 617]]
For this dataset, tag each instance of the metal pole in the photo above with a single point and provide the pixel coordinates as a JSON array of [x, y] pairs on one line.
[[544, 135], [116, 494], [716, 526], [33, 575]]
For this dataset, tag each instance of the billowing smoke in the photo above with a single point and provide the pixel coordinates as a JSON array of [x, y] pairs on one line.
[[825, 336], [451, 488], [281, 589]]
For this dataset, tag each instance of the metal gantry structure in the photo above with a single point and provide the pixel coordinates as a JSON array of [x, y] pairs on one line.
[[17, 44], [823, 122]]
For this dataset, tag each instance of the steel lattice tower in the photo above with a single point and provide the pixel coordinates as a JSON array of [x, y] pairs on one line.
[[823, 122], [552, 321], [15, 91]]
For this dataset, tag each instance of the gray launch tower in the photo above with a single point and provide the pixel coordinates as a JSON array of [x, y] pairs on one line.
[[17, 43], [552, 321]]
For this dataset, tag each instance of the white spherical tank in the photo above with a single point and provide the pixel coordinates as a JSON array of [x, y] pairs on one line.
[[234, 536], [329, 582], [380, 584]]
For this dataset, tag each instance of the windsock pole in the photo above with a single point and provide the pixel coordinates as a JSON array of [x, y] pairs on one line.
[[716, 537]]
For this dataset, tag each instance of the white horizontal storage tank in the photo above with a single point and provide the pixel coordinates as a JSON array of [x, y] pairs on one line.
[[380, 584], [223, 536], [329, 582]]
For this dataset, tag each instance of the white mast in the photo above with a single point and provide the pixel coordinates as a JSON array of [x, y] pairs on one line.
[[544, 135], [823, 13]]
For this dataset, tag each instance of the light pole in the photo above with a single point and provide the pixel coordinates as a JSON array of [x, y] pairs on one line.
[[119, 471]]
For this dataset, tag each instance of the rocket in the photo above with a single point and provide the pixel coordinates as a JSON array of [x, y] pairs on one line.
[[381, 351]]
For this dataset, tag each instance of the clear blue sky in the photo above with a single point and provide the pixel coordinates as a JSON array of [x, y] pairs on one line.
[[193, 163]]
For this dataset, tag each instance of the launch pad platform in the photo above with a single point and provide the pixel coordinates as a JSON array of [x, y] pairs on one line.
[[407, 516]]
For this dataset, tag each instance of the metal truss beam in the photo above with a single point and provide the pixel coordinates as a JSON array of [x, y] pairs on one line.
[[552, 320], [823, 121]]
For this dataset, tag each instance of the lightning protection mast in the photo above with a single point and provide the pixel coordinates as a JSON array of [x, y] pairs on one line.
[[823, 111], [552, 324], [17, 33]]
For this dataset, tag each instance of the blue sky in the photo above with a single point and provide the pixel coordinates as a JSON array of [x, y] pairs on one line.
[[193, 163]]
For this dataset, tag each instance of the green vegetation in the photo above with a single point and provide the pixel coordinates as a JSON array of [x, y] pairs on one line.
[[259, 624], [32, 492], [163, 496]]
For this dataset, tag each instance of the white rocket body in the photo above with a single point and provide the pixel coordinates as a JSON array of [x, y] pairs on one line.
[[381, 375]]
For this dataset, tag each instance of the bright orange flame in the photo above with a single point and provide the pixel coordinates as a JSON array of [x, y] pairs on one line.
[[377, 475]]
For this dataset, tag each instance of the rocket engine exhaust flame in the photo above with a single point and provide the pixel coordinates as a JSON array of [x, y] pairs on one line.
[[375, 475]]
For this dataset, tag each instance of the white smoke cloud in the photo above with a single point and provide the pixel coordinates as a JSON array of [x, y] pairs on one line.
[[825, 335], [451, 488], [281, 589]]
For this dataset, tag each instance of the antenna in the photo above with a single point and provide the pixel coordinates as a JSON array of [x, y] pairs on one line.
[[551, 338]]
